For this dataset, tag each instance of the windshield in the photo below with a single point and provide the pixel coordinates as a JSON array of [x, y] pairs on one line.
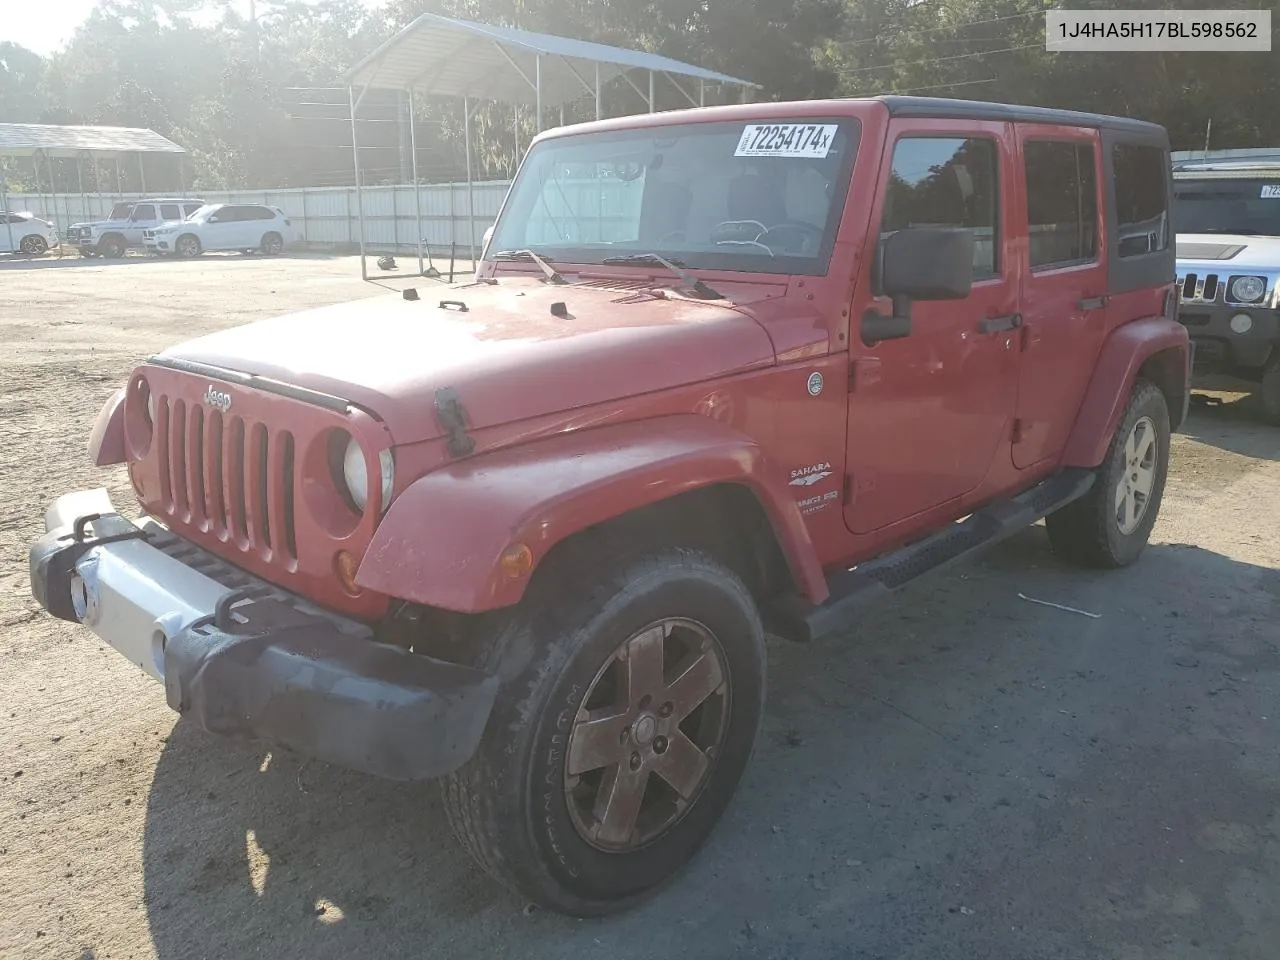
[[203, 212], [734, 196], [1227, 206], [120, 211]]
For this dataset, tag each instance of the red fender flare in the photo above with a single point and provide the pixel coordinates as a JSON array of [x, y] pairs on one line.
[[106, 441], [1122, 355], [441, 541]]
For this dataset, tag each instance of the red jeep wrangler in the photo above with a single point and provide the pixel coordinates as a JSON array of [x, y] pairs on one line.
[[721, 373]]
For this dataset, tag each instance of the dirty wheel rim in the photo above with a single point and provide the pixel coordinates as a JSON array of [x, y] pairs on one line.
[[32, 245], [1133, 491], [187, 247], [647, 735], [274, 245]]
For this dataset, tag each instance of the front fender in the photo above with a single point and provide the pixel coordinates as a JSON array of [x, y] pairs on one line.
[[442, 538], [106, 442], [1122, 355]]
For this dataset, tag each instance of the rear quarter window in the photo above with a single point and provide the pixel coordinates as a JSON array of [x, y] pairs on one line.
[[1141, 190]]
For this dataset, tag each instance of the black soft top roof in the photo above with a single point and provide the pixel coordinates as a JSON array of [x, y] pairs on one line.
[[900, 106]]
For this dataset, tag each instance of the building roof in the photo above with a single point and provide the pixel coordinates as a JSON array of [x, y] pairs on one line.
[[440, 56], [26, 139]]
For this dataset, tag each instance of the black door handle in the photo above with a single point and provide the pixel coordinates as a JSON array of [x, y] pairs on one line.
[[1000, 324], [1093, 303]]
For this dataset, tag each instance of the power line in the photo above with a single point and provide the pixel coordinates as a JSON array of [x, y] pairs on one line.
[[942, 86], [950, 28], [958, 56]]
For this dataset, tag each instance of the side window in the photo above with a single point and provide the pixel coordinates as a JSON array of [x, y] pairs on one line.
[[144, 211], [230, 214], [1141, 175], [263, 213], [170, 211], [946, 182], [1062, 201]]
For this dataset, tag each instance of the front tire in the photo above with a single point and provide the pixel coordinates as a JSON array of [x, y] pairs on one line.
[[272, 244], [34, 246], [618, 744], [1109, 526], [111, 247], [187, 246], [1269, 391]]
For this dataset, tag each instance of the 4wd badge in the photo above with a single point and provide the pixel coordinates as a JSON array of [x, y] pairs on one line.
[[218, 399]]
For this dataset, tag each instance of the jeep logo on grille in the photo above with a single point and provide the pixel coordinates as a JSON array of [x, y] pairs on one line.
[[218, 399]]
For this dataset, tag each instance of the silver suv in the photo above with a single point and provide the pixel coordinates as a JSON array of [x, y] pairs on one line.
[[123, 229], [1227, 217]]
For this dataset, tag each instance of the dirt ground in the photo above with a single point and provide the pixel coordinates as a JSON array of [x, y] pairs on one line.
[[966, 775]]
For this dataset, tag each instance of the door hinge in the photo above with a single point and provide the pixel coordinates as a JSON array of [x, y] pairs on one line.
[[1016, 434]]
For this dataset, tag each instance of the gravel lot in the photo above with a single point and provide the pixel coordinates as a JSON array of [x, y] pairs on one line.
[[967, 775]]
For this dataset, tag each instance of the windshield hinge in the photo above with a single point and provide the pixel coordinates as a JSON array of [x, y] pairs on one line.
[[453, 417]]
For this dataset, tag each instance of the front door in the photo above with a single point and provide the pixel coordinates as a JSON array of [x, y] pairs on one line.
[[1063, 303], [927, 413]]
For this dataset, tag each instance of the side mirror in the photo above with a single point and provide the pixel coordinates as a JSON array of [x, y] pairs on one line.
[[919, 263]]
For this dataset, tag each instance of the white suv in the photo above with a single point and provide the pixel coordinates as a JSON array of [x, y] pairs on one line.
[[30, 234], [223, 226], [124, 228]]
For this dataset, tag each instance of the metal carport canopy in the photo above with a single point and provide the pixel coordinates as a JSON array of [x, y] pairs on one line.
[[50, 140], [440, 56]]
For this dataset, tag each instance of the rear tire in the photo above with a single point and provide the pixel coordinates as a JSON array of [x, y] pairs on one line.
[[1269, 391], [187, 246], [272, 244], [111, 247], [536, 805], [1109, 526]]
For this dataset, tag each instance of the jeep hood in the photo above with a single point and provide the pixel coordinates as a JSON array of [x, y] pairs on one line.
[[511, 350]]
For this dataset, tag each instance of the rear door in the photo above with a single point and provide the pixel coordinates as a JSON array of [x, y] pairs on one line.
[[1064, 285]]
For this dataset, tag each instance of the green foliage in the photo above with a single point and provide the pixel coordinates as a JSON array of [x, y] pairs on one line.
[[262, 104]]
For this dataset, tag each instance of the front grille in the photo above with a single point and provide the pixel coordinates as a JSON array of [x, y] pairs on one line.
[[229, 475], [148, 234], [1199, 289]]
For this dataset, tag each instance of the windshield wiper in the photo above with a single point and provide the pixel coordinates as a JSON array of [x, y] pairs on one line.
[[547, 269], [699, 288]]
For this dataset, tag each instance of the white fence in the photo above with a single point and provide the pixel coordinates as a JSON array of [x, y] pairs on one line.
[[327, 216]]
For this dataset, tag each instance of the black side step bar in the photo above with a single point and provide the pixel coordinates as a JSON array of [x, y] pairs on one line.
[[869, 581]]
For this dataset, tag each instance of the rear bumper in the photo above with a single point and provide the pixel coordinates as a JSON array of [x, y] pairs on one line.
[[243, 658]]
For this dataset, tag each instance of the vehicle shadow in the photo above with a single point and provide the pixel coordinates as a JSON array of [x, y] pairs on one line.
[[1235, 423], [964, 774]]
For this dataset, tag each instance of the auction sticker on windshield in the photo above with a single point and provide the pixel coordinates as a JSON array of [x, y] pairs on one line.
[[786, 140]]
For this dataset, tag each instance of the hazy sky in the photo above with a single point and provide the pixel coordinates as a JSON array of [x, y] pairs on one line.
[[45, 28]]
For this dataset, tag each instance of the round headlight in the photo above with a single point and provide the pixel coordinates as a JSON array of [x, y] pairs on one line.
[[1247, 289], [356, 475], [1241, 323]]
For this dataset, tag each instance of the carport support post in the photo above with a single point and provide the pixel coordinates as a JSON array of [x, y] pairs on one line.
[[471, 195], [119, 181], [142, 174], [413, 169], [702, 93], [651, 91], [537, 92], [355, 158], [4, 208], [598, 114]]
